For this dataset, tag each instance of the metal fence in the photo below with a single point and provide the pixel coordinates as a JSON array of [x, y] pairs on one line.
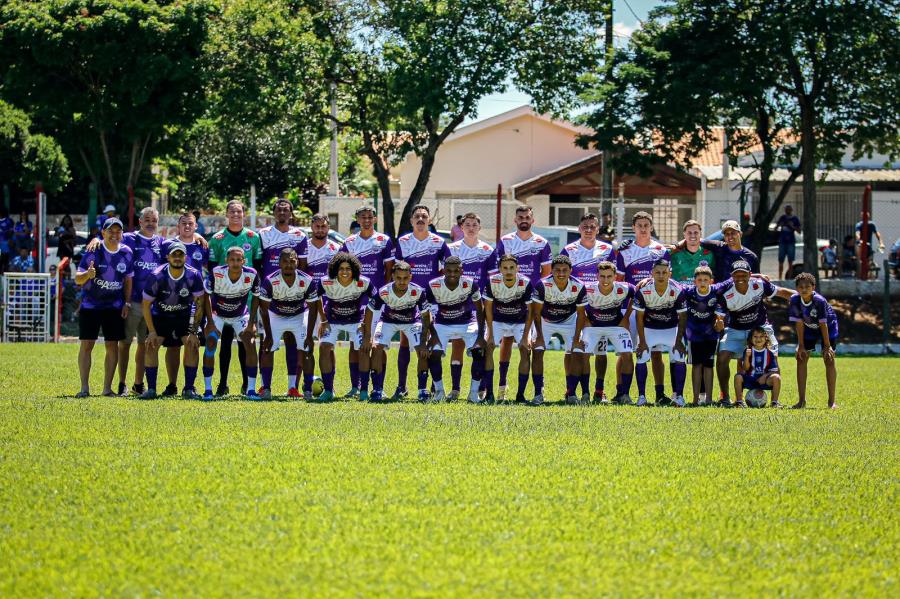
[[26, 307]]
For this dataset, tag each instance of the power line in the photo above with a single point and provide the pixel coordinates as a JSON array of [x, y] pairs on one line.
[[634, 14]]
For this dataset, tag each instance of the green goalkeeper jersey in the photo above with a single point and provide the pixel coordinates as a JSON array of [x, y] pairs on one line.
[[684, 263], [248, 240]]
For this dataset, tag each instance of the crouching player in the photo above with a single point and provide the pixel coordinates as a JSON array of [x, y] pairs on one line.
[[702, 301], [229, 288], [403, 309], [284, 296], [169, 294], [456, 302], [609, 313], [507, 315], [661, 321], [557, 306], [345, 295], [816, 325], [759, 369]]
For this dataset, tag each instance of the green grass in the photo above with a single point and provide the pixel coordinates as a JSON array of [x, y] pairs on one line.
[[121, 497]]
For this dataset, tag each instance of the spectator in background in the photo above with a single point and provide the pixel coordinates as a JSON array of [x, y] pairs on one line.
[[201, 229], [788, 226], [22, 233], [456, 231], [6, 243], [108, 212], [829, 258], [24, 262], [67, 236], [873, 232], [607, 232], [354, 227], [848, 255]]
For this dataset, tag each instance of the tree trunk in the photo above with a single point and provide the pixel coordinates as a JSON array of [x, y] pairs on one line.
[[810, 230], [383, 177], [415, 196]]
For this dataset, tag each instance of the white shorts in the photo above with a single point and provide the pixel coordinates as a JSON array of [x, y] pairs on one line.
[[238, 323], [565, 329], [661, 340], [503, 330], [352, 330], [447, 332], [295, 325], [384, 332], [596, 340]]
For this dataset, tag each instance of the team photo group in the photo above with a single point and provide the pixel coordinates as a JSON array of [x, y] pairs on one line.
[[279, 290]]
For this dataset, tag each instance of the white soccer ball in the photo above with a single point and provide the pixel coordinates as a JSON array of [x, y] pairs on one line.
[[757, 398], [317, 386]]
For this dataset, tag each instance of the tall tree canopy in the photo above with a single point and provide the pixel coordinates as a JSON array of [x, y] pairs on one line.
[[27, 158]]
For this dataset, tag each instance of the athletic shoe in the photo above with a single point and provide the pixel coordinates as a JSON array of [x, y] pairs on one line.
[[501, 394], [585, 398], [399, 394], [222, 390], [307, 396], [189, 393], [293, 392], [326, 396], [437, 396], [83, 394], [663, 401], [424, 396], [642, 401], [704, 402], [149, 394], [489, 398], [538, 400], [453, 395], [377, 397], [601, 398], [252, 395], [678, 400], [123, 390], [798, 406], [572, 400], [170, 391], [725, 402], [520, 398], [740, 404], [353, 393], [622, 399], [266, 393], [137, 388], [363, 396], [208, 395], [776, 404], [474, 397], [110, 394], [482, 394]]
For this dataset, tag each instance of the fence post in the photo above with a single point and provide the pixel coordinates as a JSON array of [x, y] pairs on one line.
[[499, 199], [864, 235], [886, 307]]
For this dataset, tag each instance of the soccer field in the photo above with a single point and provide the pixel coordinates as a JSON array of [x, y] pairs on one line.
[[123, 497]]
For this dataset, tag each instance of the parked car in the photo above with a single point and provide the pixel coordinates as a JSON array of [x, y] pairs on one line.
[[558, 237], [332, 235]]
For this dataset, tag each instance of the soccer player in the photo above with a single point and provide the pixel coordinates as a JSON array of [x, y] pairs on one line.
[[741, 301], [284, 297], [425, 253], [661, 321], [817, 327], [479, 260], [701, 301], [230, 288], [105, 275], [345, 295], [273, 239], [234, 235], [586, 253], [534, 254], [168, 298], [400, 306], [692, 255], [507, 315], [758, 369], [459, 314], [609, 306], [557, 306]]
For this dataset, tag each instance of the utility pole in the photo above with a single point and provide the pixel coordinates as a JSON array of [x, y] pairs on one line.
[[334, 190], [606, 172]]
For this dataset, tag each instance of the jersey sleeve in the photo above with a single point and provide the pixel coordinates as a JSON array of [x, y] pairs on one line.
[[490, 265], [254, 286], [620, 263], [681, 302], [209, 282], [429, 296], [86, 259], [795, 310], [422, 303], [773, 361], [488, 292], [475, 295], [546, 254], [312, 293], [376, 303], [768, 288], [639, 304], [581, 298], [303, 248], [537, 293], [151, 288], [390, 252], [197, 288], [265, 290], [445, 252]]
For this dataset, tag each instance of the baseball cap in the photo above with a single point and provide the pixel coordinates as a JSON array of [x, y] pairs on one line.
[[740, 265], [112, 221], [362, 209], [731, 224], [177, 247], [109, 208]]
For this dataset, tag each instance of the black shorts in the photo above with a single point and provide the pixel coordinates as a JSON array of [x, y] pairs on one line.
[[703, 353], [172, 328], [92, 320]]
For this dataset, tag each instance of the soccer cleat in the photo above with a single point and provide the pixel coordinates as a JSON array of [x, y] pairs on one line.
[[424, 396], [622, 399], [363, 396], [776, 404], [740, 404], [189, 393], [678, 400], [724, 402], [501, 393], [266, 393], [601, 398], [437, 396], [123, 390], [222, 390], [663, 401], [474, 397], [489, 398], [149, 394], [353, 393], [170, 391], [307, 396], [293, 392], [137, 388], [399, 394], [208, 395], [110, 394], [453, 395], [377, 397], [252, 395], [83, 394], [326, 396], [572, 400], [642, 401], [538, 400]]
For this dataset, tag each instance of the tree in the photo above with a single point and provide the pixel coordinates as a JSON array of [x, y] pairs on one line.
[[27, 158], [407, 74], [105, 77]]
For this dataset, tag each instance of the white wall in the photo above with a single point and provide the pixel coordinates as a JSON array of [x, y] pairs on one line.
[[886, 216]]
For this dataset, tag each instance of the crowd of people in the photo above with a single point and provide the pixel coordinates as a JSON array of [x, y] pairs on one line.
[[700, 301]]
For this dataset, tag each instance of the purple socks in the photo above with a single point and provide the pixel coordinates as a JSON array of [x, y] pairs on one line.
[[641, 374], [504, 369], [456, 374], [402, 366], [354, 375]]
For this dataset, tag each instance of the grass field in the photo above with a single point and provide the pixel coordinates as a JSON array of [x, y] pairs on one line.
[[122, 497]]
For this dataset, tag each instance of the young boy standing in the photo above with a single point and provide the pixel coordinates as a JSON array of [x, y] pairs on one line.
[[816, 325]]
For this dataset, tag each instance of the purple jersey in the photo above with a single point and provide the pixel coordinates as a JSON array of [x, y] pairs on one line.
[[558, 305], [533, 253], [606, 310], [585, 260], [230, 298], [818, 310], [318, 259], [508, 304], [148, 257], [762, 361], [288, 299], [660, 310], [170, 296], [273, 241], [373, 253], [196, 255], [745, 310], [701, 312], [478, 261], [453, 306], [424, 256], [400, 309], [345, 304], [725, 257], [107, 289], [635, 262]]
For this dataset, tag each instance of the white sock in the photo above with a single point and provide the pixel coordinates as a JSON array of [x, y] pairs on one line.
[[439, 386], [208, 380], [473, 388], [251, 382], [292, 381]]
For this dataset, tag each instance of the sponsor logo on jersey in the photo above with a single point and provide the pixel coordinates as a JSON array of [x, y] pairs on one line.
[[198, 255], [328, 283], [246, 279], [436, 285], [729, 296], [121, 267], [219, 275], [183, 292]]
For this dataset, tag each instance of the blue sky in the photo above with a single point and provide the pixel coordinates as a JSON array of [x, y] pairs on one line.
[[625, 22]]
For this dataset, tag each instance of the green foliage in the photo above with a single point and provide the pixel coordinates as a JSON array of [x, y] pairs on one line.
[[122, 497], [27, 158]]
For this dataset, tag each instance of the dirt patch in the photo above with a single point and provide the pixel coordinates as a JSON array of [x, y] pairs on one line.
[[860, 320]]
